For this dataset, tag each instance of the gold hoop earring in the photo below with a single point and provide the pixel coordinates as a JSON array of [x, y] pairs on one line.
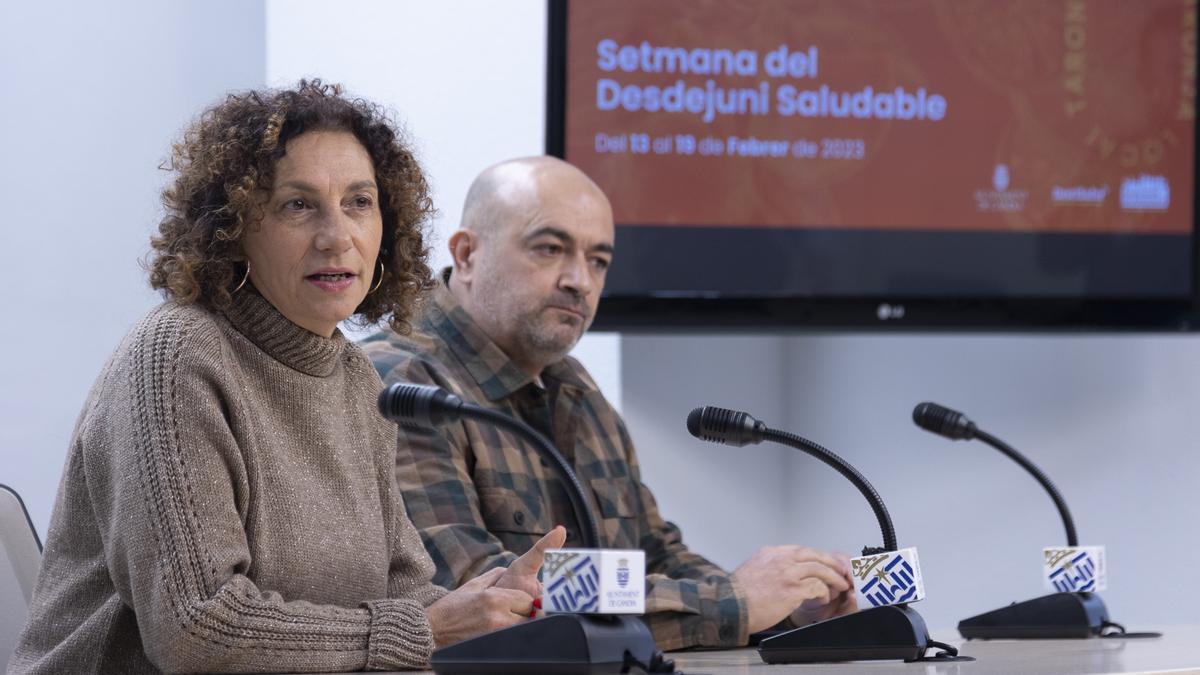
[[377, 283], [245, 278]]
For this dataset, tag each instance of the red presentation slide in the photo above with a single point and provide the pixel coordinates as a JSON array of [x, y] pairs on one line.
[[968, 115]]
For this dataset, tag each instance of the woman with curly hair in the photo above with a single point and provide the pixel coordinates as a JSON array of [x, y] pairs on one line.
[[228, 502]]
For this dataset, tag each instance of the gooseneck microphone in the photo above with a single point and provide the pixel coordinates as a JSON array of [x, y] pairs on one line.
[[423, 407], [1058, 615], [944, 421], [556, 643], [885, 632], [419, 407], [721, 425], [954, 425], [731, 427]]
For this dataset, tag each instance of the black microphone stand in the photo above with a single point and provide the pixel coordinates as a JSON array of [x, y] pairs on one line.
[[887, 632], [556, 644], [1057, 615]]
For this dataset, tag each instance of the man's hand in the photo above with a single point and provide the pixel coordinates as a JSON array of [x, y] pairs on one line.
[[476, 607], [779, 579], [811, 611], [522, 574]]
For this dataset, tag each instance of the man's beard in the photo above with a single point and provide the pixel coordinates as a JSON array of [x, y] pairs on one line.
[[553, 342]]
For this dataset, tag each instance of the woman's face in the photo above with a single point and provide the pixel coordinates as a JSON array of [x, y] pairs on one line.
[[313, 254]]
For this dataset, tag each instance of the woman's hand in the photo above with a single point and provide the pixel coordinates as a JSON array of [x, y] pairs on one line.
[[522, 574], [495, 599], [476, 607]]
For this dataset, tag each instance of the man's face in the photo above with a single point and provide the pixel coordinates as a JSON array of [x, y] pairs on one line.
[[537, 278]]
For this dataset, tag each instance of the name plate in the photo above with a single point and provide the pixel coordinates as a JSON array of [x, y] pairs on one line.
[[891, 578], [594, 581], [1074, 569]]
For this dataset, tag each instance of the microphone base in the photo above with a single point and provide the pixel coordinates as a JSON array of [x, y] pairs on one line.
[[557, 644], [1054, 616], [889, 632]]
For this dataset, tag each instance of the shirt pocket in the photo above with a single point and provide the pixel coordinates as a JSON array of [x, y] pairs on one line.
[[504, 510], [616, 497]]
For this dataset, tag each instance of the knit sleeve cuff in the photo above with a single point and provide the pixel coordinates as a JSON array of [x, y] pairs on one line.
[[400, 635]]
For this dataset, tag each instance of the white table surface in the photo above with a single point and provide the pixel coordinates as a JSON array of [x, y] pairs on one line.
[[1178, 651]]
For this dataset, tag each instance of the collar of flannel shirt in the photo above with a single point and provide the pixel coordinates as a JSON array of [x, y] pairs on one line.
[[491, 368]]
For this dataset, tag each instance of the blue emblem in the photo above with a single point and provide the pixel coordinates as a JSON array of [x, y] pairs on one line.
[[1000, 178], [578, 589], [1078, 574], [892, 584], [622, 572]]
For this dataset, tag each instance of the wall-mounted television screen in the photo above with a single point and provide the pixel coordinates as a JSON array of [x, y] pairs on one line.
[[924, 164]]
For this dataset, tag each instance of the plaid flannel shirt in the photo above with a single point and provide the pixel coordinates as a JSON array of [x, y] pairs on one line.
[[481, 496]]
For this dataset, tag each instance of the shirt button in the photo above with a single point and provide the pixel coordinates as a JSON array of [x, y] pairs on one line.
[[519, 517]]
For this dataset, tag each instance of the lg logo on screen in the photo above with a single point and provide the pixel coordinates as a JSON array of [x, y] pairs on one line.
[[886, 311]]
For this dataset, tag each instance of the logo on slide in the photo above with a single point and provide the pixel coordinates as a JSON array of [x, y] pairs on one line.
[[1000, 199], [1000, 178], [1145, 193], [1079, 194]]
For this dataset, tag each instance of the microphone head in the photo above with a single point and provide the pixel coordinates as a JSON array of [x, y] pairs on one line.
[[693, 422], [419, 407], [719, 425], [943, 421]]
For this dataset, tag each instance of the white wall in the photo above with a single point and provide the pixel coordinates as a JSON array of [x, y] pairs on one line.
[[94, 93], [728, 501], [90, 107]]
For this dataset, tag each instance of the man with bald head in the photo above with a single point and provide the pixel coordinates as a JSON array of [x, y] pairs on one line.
[[528, 268]]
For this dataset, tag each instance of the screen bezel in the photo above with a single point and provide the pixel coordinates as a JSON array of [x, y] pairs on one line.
[[650, 313]]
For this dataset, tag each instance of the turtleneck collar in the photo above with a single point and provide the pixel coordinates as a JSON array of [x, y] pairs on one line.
[[298, 348]]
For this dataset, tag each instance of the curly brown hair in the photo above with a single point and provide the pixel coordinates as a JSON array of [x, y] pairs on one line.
[[226, 160]]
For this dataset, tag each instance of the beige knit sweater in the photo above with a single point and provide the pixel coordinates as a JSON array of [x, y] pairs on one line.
[[228, 505]]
